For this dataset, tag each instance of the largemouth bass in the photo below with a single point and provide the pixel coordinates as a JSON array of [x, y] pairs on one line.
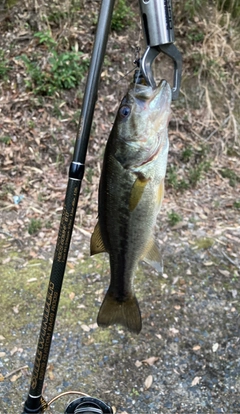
[[131, 191]]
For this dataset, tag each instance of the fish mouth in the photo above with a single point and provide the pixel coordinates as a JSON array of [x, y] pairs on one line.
[[146, 92]]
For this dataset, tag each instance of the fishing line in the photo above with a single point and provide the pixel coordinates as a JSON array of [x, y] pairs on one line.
[[136, 62]]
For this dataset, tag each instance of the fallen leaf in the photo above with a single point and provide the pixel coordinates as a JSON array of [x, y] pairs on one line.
[[33, 279], [195, 381], [215, 347], [148, 382], [14, 350], [93, 325], [15, 309], [224, 272], [138, 363], [85, 328], [174, 331], [71, 295], [208, 263], [234, 293], [15, 377], [51, 375], [150, 361], [7, 260], [1, 377]]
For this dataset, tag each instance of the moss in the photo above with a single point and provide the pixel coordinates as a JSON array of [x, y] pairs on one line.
[[204, 243]]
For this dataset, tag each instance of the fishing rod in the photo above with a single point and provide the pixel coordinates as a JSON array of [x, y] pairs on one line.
[[157, 23]]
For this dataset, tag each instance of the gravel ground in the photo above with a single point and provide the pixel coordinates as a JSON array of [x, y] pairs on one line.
[[185, 360]]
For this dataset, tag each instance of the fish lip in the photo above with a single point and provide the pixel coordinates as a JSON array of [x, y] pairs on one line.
[[146, 92]]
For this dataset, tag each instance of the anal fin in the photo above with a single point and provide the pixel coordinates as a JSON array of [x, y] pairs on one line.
[[153, 256]]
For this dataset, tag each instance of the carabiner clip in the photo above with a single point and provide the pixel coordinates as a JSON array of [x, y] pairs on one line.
[[157, 22]]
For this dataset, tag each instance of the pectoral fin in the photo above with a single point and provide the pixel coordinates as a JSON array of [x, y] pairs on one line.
[[137, 191], [96, 244], [153, 256]]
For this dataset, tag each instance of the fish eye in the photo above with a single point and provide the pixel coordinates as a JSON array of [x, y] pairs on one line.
[[124, 111]]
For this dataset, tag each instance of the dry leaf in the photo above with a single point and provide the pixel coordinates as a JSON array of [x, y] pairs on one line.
[[7, 260], [224, 272], [174, 331], [15, 309], [14, 350], [15, 377], [51, 375], [148, 382], [138, 363], [195, 381], [93, 325], [150, 361], [71, 295], [234, 293], [85, 328], [215, 347], [1, 377]]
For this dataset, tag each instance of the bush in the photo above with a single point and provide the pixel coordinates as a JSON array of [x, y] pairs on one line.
[[64, 70]]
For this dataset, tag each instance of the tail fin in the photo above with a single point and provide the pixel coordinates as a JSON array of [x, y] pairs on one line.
[[125, 313]]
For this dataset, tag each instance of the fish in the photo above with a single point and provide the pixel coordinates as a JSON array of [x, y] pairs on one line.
[[131, 191]]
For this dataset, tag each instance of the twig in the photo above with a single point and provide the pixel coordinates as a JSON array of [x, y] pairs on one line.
[[230, 260], [16, 370]]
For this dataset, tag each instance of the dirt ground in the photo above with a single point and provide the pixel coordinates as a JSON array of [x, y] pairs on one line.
[[187, 357]]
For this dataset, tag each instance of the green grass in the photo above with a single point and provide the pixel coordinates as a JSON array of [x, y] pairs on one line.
[[122, 16], [236, 204], [34, 226], [174, 218], [4, 66], [61, 70], [195, 164], [231, 175]]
